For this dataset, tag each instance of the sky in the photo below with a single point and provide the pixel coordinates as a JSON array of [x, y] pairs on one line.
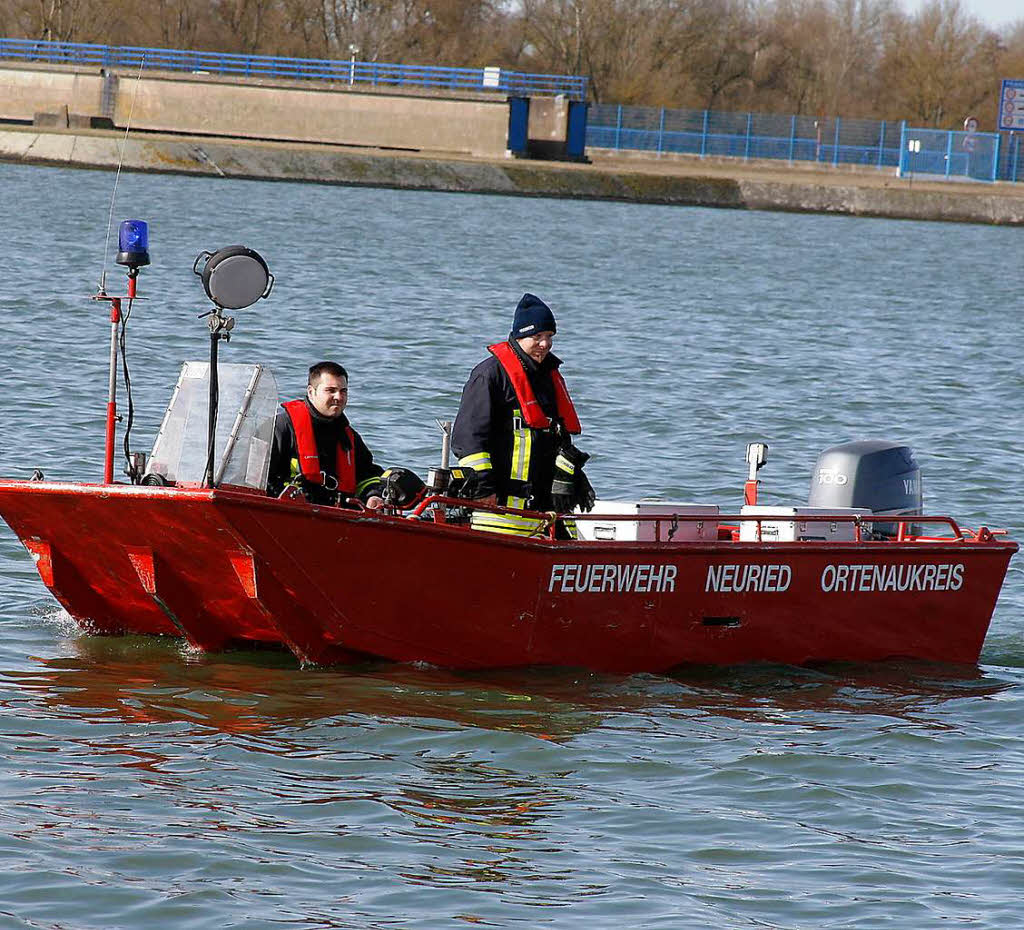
[[993, 13]]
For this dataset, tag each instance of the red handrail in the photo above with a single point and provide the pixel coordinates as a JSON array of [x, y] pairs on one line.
[[550, 518]]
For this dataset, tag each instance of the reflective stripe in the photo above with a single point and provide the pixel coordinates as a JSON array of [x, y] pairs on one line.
[[562, 463], [509, 524], [522, 452], [363, 485], [481, 461], [570, 528]]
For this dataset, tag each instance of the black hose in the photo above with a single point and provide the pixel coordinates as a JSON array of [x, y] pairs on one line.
[[121, 340]]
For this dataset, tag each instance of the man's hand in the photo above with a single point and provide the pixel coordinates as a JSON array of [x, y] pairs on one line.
[[374, 502], [570, 487], [568, 463], [563, 496], [479, 486], [585, 496]]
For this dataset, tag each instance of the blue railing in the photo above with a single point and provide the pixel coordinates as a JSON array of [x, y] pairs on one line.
[[950, 154], [342, 71], [745, 135], [831, 141]]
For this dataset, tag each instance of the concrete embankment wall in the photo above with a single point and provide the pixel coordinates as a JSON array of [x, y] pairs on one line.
[[306, 111], [471, 127], [323, 164], [27, 90]]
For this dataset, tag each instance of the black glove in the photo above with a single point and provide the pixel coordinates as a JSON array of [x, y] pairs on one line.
[[584, 492], [566, 485], [563, 495], [477, 484]]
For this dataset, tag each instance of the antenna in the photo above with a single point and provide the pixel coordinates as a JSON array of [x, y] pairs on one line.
[[117, 176], [133, 244]]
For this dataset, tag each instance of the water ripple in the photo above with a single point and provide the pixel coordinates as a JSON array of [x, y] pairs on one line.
[[147, 785]]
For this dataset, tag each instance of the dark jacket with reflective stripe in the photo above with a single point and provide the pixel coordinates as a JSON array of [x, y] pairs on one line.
[[328, 432], [484, 423]]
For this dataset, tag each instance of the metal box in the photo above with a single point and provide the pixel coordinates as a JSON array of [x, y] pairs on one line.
[[702, 530], [790, 527]]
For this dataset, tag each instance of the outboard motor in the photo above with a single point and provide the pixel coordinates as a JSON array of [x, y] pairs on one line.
[[881, 476]]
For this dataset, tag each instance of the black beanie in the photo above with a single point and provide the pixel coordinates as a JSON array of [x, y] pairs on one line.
[[532, 316]]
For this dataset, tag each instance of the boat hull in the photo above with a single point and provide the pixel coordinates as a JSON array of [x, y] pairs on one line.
[[223, 567]]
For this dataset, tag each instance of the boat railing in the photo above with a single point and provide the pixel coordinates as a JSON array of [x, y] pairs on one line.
[[666, 525], [904, 532], [904, 526], [547, 520]]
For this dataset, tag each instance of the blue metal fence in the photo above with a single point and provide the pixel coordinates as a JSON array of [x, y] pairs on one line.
[[949, 154], [1011, 158], [832, 141], [342, 71], [745, 135]]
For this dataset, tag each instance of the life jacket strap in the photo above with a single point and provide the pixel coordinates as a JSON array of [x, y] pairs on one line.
[[309, 455], [532, 412]]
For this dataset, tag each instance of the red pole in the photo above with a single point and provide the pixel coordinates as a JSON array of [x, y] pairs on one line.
[[115, 318]]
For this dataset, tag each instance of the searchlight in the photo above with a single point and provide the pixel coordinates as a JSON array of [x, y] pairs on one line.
[[234, 278]]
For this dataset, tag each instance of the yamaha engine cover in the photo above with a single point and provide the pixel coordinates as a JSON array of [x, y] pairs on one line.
[[872, 473]]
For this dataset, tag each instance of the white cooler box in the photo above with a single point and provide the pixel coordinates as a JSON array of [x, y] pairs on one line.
[[703, 530], [790, 528]]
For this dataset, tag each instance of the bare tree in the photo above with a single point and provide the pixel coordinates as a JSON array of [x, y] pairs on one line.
[[937, 64], [176, 22], [245, 21], [851, 49], [821, 57], [57, 20]]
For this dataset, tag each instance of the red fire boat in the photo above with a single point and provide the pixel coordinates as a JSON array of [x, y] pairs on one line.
[[193, 547]]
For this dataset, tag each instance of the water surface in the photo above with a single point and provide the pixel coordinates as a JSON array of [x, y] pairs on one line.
[[144, 785]]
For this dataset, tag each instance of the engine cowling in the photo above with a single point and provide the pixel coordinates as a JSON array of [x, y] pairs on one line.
[[878, 475]]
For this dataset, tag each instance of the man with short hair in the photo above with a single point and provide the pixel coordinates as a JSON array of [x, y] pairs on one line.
[[514, 424], [317, 450]]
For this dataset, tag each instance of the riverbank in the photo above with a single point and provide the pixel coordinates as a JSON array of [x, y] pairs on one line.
[[677, 180]]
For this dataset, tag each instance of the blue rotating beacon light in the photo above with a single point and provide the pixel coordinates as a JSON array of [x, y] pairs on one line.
[[133, 244]]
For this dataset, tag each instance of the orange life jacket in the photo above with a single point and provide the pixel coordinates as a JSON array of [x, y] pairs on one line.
[[533, 414], [309, 456]]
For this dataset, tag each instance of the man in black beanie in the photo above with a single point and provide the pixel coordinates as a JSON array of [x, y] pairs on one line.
[[514, 427]]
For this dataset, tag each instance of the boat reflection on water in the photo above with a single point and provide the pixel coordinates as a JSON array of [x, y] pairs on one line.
[[409, 754], [264, 691], [901, 689], [137, 678]]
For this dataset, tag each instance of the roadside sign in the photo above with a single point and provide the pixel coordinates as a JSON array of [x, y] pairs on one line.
[[1011, 105]]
